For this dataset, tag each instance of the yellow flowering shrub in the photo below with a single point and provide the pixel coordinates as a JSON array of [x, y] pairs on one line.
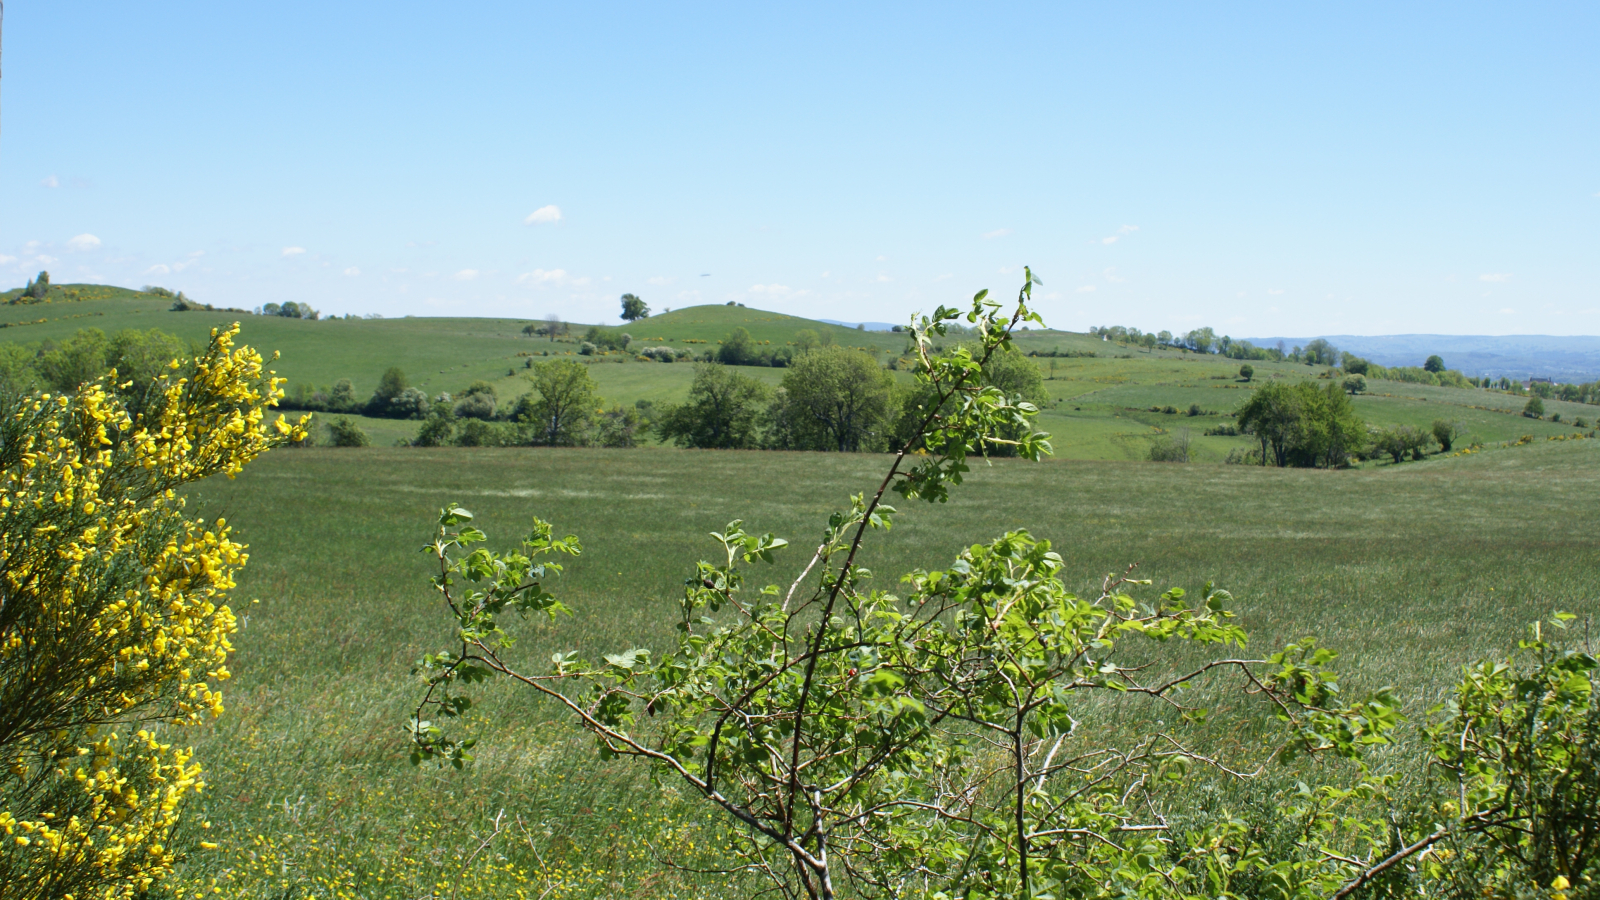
[[113, 628]]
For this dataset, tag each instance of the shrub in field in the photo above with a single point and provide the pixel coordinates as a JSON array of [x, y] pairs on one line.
[[478, 405], [1400, 441], [1171, 447], [480, 433], [436, 431], [1534, 408], [1445, 432], [1247, 372], [619, 427], [344, 432], [1355, 384], [587, 348], [113, 621]]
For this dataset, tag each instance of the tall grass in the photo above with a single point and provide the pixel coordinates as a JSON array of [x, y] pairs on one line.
[[1411, 571]]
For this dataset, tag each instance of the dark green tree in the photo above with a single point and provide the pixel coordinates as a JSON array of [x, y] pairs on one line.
[[724, 411], [834, 398], [1247, 371], [1434, 364], [1445, 432], [1534, 409], [561, 414], [633, 308], [737, 349]]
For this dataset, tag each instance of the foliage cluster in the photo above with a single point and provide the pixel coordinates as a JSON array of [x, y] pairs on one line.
[[113, 623]]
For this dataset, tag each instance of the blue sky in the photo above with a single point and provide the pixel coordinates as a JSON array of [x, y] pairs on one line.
[[1261, 168]]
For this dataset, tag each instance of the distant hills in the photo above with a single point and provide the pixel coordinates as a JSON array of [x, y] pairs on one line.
[[1566, 359]]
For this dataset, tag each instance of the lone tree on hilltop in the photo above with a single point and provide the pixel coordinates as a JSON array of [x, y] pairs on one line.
[[633, 308], [1434, 365]]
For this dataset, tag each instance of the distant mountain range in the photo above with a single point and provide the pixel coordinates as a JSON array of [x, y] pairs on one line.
[[870, 326], [1565, 359]]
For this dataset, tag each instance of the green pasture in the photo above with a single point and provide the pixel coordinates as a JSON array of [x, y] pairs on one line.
[[1409, 570]]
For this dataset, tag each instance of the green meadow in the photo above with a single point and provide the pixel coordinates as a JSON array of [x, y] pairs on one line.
[[1410, 571]]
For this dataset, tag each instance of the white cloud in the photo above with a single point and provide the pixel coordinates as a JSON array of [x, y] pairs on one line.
[[353, 271], [1121, 232], [945, 277], [997, 233], [44, 260], [1112, 276], [881, 259], [882, 278], [84, 242], [658, 280], [466, 274], [1508, 311], [551, 213], [1274, 291], [1495, 276], [157, 269], [51, 181], [293, 251], [1086, 289], [6, 259], [540, 277], [197, 254]]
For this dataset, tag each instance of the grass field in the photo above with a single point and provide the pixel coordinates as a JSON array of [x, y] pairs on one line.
[[1411, 570]]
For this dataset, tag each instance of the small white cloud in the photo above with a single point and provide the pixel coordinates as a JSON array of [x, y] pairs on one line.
[[1124, 230], [1086, 289], [882, 278], [197, 254], [777, 290], [84, 242], [1112, 276], [44, 260], [1007, 270], [658, 280], [157, 269], [543, 276], [1508, 312], [1495, 276], [997, 233], [293, 251], [4, 259], [353, 271], [551, 213], [881, 259], [50, 181], [945, 277], [466, 274], [1274, 291]]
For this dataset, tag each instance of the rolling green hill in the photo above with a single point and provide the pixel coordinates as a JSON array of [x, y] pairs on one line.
[[1101, 406]]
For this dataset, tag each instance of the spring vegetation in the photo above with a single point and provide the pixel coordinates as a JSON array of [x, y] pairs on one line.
[[1000, 725]]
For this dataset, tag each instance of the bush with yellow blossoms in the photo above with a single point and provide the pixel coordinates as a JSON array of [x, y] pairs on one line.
[[113, 626]]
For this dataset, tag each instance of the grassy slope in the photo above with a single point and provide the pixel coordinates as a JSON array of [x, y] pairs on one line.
[[1100, 407], [311, 751]]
